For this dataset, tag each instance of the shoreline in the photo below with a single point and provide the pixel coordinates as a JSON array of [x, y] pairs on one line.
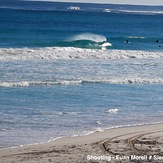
[[80, 135], [125, 141]]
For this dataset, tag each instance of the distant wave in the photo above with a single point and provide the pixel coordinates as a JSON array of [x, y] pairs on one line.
[[146, 12], [107, 10], [73, 8], [76, 8], [141, 12], [76, 82], [112, 111], [72, 53], [136, 37], [37, 83]]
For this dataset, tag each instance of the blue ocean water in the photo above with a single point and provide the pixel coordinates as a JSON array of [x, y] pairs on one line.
[[42, 24], [66, 69]]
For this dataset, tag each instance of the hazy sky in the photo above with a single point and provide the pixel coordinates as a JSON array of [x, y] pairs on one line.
[[137, 2]]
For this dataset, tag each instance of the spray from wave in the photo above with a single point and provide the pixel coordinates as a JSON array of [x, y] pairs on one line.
[[89, 36]]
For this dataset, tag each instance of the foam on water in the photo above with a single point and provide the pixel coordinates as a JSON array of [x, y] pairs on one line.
[[139, 37], [76, 82], [37, 83], [107, 10], [112, 111], [73, 8], [141, 12], [72, 53]]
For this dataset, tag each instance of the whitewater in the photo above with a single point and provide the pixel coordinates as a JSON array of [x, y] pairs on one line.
[[72, 53]]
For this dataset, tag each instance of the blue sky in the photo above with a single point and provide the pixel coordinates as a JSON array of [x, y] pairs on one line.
[[136, 2]]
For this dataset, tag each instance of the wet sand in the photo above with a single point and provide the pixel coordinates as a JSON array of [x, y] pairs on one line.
[[129, 144]]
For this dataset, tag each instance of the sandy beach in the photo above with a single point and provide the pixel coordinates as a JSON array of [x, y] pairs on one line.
[[129, 144]]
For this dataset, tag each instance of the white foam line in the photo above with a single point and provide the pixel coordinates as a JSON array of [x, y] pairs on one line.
[[72, 53], [141, 12], [76, 82]]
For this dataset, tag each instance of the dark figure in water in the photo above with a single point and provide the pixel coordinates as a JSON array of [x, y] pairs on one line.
[[160, 46], [127, 41], [157, 41]]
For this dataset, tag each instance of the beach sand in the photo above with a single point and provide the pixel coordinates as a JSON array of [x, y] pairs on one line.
[[129, 144]]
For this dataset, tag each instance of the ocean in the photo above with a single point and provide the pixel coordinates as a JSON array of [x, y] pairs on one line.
[[70, 69]]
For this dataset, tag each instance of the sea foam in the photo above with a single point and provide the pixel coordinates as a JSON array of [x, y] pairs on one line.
[[72, 53], [77, 82]]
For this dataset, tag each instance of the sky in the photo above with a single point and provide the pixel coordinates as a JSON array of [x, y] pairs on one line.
[[135, 2]]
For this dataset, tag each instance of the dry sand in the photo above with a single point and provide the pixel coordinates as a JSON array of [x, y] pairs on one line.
[[130, 144]]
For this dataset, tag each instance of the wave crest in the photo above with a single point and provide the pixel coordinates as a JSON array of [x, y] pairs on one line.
[[89, 36]]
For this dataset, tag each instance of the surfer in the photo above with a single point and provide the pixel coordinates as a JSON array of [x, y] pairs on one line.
[[160, 46], [157, 41], [127, 41]]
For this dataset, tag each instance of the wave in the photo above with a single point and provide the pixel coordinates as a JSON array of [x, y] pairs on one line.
[[87, 40], [7, 54], [140, 12], [73, 8], [107, 10], [112, 111], [37, 83], [89, 36], [88, 44], [136, 37], [77, 82], [144, 12]]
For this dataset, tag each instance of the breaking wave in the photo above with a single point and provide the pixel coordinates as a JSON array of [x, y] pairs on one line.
[[136, 37], [77, 82], [88, 40], [73, 8], [145, 12], [72, 53], [141, 12], [89, 36]]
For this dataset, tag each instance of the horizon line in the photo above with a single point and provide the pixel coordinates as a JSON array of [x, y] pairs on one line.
[[159, 5]]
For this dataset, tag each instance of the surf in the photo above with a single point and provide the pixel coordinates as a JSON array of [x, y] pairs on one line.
[[8, 54], [89, 40], [89, 36]]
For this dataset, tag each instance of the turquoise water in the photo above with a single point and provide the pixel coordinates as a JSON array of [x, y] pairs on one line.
[[56, 79]]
